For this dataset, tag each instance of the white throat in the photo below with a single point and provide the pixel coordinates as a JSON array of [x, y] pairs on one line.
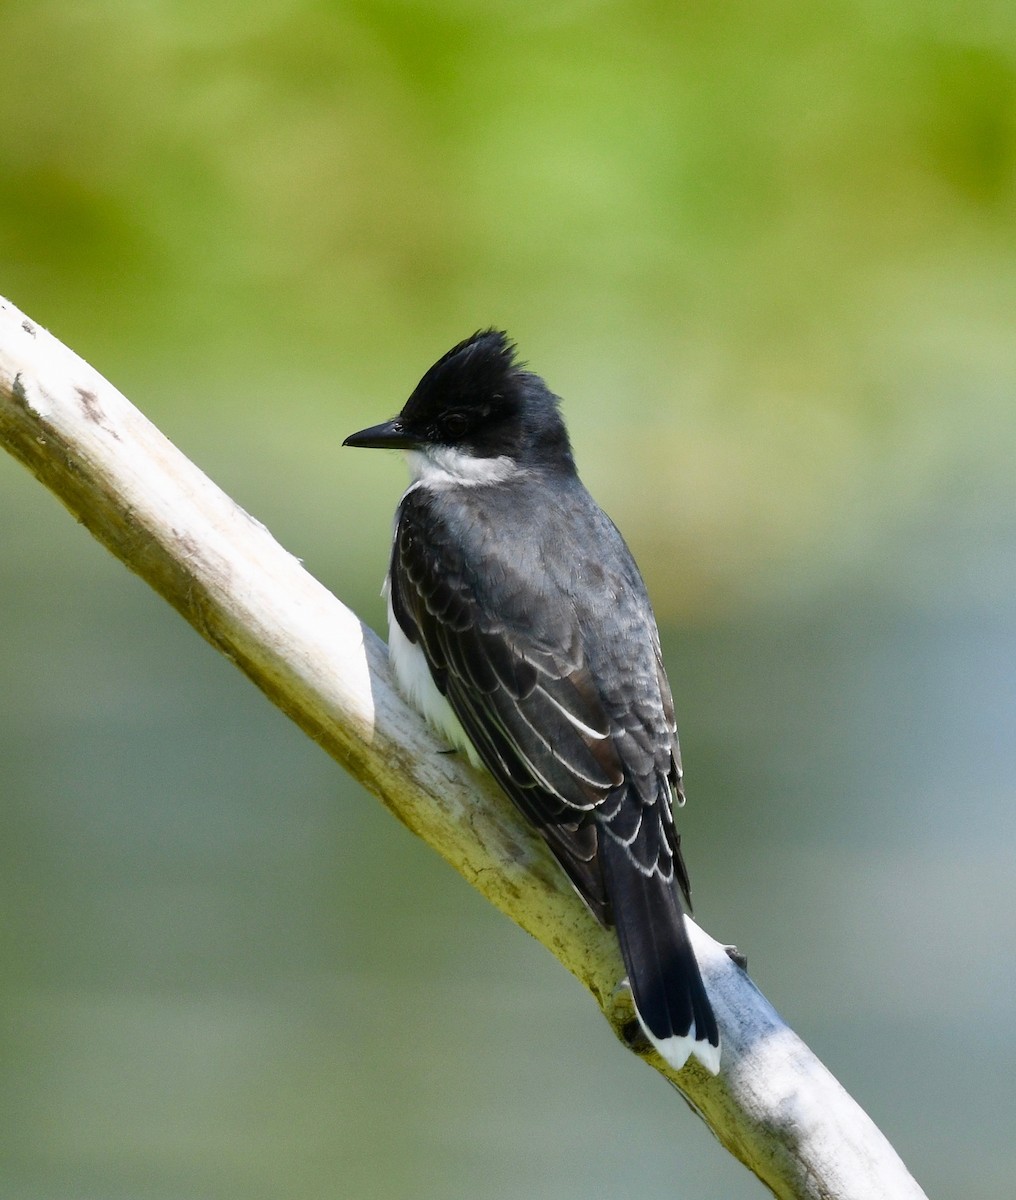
[[443, 466]]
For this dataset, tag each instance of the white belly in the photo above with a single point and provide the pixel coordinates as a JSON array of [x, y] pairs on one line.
[[418, 686]]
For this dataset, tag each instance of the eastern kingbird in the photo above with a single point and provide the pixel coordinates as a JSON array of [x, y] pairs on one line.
[[520, 627]]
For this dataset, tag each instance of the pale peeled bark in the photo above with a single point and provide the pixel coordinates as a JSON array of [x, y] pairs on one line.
[[773, 1105]]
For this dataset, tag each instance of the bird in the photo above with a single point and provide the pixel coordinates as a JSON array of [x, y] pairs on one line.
[[521, 629]]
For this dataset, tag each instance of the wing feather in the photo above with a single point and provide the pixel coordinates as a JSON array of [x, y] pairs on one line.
[[578, 765]]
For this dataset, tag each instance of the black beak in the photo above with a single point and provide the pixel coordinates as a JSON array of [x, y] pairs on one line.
[[389, 435]]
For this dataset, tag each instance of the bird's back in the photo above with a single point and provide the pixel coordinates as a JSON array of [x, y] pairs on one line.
[[539, 570]]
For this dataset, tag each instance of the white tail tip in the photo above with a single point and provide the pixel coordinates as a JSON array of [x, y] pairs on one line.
[[677, 1050]]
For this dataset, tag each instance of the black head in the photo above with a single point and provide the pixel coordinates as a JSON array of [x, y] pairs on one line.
[[478, 400]]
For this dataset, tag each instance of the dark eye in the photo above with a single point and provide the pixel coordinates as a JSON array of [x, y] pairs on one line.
[[455, 424]]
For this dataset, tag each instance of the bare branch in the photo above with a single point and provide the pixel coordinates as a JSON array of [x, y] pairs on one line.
[[773, 1105]]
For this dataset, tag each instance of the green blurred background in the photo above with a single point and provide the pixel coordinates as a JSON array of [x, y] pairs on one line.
[[767, 253]]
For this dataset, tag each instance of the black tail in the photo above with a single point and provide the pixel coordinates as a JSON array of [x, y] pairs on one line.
[[666, 984]]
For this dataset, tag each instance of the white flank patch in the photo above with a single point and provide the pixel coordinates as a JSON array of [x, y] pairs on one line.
[[443, 466], [419, 688]]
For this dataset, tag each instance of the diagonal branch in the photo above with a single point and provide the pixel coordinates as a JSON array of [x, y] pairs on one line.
[[773, 1105]]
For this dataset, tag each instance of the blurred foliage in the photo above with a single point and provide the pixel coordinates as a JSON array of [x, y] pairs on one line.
[[779, 235], [767, 254]]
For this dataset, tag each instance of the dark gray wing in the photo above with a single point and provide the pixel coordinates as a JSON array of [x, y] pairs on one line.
[[517, 674]]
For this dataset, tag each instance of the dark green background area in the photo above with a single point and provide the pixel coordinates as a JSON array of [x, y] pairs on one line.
[[767, 255]]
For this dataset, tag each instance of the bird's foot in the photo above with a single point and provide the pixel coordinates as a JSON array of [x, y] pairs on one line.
[[737, 957]]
